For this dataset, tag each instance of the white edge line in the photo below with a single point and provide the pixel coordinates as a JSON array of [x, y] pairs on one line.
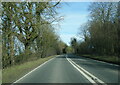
[[106, 63], [100, 81], [102, 61], [81, 72], [31, 71]]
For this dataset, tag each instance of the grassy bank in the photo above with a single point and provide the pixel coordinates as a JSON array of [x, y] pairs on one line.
[[109, 59], [13, 73]]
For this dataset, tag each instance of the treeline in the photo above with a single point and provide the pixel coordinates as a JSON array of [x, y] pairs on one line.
[[28, 31], [101, 34]]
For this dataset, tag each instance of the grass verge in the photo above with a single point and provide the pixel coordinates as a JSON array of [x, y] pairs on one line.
[[13, 73], [109, 59]]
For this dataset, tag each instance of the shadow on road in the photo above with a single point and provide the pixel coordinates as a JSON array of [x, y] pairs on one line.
[[69, 56]]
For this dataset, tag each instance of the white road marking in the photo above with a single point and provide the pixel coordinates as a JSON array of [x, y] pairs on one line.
[[103, 62], [106, 63], [32, 71], [88, 73], [85, 73], [82, 72]]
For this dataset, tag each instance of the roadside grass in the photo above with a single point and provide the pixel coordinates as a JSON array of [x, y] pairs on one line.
[[11, 74], [109, 59], [0, 61], [0, 76]]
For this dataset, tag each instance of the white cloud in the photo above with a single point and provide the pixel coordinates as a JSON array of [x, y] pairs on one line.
[[67, 37], [73, 20], [70, 27]]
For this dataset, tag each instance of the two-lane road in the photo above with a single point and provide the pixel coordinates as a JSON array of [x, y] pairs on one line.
[[64, 69]]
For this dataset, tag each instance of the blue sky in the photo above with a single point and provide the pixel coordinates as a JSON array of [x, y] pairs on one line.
[[75, 14]]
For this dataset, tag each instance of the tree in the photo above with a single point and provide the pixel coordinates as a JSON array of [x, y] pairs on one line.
[[27, 29], [102, 30], [118, 28], [100, 33], [74, 44]]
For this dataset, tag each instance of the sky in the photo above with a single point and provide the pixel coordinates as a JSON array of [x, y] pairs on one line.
[[75, 14]]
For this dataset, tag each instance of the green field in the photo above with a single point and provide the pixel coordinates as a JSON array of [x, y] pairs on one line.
[[13, 73]]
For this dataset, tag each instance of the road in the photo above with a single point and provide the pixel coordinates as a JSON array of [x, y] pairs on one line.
[[72, 69]]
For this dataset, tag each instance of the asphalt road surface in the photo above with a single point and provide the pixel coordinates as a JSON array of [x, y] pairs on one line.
[[72, 69]]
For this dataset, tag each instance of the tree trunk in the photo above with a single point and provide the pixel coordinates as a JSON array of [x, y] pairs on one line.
[[12, 49]]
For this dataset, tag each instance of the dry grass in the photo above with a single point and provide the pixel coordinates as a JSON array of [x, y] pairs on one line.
[[13, 73]]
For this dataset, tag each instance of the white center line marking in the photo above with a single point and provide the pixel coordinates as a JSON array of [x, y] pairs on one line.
[[85, 73]]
